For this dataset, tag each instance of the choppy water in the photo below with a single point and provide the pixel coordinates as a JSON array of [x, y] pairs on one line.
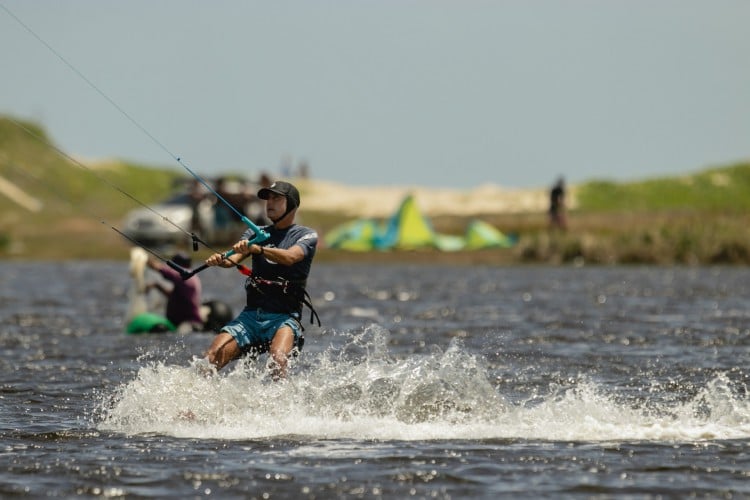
[[424, 382]]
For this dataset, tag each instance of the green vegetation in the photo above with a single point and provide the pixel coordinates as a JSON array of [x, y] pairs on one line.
[[30, 162], [692, 219], [716, 190], [75, 194], [695, 219]]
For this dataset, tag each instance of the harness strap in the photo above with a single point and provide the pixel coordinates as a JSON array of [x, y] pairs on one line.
[[313, 313], [285, 285]]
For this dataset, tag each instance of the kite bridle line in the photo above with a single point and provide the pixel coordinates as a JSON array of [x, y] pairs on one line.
[[260, 235]]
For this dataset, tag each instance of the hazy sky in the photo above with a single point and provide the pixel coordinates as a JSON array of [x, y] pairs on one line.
[[390, 92]]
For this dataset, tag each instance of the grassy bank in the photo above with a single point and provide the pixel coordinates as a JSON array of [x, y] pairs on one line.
[[695, 219], [612, 238]]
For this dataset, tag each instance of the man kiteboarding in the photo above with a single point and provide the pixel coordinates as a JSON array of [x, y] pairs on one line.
[[275, 290]]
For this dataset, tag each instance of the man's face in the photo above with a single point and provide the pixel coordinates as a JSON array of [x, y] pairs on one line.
[[275, 206]]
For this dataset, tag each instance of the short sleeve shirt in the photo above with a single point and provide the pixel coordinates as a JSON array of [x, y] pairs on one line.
[[301, 236]]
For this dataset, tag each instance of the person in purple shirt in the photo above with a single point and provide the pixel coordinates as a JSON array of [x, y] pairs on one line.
[[183, 297]]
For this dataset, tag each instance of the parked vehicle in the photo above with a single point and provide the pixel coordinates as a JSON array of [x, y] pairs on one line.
[[157, 227]]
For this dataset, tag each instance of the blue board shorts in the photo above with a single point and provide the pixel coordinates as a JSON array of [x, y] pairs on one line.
[[254, 329]]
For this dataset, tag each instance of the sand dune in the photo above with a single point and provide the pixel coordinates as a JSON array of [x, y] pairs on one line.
[[382, 201]]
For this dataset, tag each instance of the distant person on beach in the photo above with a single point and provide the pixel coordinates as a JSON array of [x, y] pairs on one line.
[[196, 195], [265, 180], [303, 170], [276, 289], [183, 307], [557, 216]]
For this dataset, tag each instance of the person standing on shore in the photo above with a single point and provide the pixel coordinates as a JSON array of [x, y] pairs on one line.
[[557, 216], [276, 289]]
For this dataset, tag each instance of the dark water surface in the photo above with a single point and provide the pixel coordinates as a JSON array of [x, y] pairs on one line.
[[424, 382]]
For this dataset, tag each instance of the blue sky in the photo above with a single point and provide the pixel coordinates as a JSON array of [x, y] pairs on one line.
[[408, 92]]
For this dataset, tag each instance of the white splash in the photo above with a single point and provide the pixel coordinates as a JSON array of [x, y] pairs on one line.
[[360, 392]]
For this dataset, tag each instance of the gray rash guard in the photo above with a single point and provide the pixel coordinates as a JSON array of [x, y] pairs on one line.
[[276, 298]]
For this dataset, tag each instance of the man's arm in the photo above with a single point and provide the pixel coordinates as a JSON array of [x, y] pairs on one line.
[[283, 256]]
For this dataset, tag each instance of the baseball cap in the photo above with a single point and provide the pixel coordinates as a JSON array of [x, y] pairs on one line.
[[282, 188]]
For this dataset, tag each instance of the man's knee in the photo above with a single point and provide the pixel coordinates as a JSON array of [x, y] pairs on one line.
[[223, 349], [283, 341]]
